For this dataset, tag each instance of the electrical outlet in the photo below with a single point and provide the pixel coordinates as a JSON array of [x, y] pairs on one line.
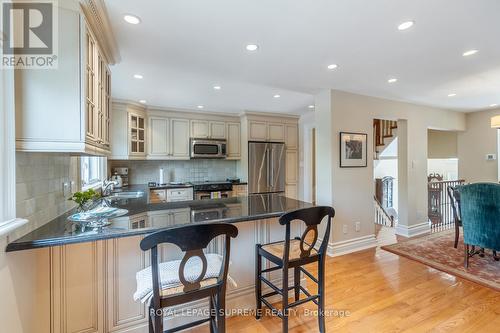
[[66, 188], [491, 157], [344, 229], [358, 226]]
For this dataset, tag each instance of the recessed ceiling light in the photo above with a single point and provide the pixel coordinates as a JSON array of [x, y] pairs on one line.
[[277, 96], [469, 53], [252, 47], [132, 19], [406, 25], [311, 106], [217, 87], [200, 106], [142, 101], [393, 80], [332, 66], [493, 105], [138, 76], [452, 95]]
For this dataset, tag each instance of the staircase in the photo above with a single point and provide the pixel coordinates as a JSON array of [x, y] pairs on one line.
[[384, 132]]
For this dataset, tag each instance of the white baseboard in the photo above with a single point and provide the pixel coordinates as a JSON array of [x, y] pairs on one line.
[[351, 245], [413, 230]]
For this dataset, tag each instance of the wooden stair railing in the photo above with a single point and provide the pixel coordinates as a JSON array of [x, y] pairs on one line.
[[382, 129], [381, 216]]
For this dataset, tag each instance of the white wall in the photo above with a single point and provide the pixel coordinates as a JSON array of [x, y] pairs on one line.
[[478, 140], [350, 190], [446, 167]]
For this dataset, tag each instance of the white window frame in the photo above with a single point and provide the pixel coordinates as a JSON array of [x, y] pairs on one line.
[[8, 220], [97, 182]]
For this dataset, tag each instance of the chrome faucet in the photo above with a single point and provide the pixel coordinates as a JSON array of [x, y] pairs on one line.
[[107, 187]]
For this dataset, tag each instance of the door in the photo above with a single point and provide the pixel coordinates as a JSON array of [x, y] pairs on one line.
[[179, 138], [276, 132], [217, 130], [199, 129], [258, 167], [277, 167], [233, 141], [158, 136], [257, 131]]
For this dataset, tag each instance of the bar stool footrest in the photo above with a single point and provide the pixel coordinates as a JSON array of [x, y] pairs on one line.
[[188, 325]]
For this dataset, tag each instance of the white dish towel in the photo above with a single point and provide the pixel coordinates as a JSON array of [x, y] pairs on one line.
[[169, 275]]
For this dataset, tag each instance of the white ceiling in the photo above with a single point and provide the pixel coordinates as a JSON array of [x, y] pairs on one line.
[[184, 47]]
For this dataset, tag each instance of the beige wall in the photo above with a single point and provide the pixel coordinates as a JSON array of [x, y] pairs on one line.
[[478, 140], [351, 189], [442, 144]]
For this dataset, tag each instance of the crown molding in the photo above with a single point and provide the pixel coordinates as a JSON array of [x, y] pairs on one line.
[[96, 14]]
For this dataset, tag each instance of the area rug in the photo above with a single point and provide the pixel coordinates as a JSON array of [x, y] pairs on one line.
[[437, 251]]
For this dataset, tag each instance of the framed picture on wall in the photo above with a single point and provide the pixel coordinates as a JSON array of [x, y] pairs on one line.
[[353, 150]]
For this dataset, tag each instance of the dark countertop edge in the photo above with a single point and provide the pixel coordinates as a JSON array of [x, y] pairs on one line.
[[13, 247]]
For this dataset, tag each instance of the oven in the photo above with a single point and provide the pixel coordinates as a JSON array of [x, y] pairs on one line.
[[204, 195], [212, 190], [206, 148]]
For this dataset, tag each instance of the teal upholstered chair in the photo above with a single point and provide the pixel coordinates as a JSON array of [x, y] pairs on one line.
[[480, 210]]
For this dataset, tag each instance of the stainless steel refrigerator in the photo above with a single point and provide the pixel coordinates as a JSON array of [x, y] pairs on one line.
[[266, 167]]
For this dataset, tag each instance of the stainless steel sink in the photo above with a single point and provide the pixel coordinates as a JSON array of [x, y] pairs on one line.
[[126, 195]]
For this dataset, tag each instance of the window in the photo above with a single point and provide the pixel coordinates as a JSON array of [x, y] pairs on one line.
[[92, 171]]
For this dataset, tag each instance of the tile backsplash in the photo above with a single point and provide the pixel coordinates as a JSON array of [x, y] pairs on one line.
[[142, 172], [39, 186]]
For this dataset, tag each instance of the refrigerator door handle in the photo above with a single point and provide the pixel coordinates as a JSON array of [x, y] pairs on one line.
[[272, 167], [268, 167]]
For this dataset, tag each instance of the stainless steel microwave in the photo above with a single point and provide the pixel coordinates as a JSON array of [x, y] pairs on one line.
[[207, 148]]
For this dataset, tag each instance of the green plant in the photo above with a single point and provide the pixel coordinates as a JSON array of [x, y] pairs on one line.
[[83, 197]]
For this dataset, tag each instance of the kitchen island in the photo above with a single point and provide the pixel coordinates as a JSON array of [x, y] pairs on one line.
[[88, 276]]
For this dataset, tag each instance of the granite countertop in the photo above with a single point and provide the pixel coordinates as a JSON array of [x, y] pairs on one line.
[[144, 218]]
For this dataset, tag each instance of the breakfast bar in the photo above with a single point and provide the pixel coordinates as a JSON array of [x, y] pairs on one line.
[[90, 272]]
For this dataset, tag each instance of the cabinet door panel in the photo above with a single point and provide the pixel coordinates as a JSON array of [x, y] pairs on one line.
[[292, 137], [199, 129], [291, 166], [291, 191], [125, 259], [257, 131], [276, 132], [233, 140], [217, 130], [158, 136], [179, 138]]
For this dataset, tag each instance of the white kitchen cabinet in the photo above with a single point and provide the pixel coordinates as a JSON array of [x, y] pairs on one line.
[[217, 130], [257, 131], [158, 144], [291, 191], [291, 165], [276, 132], [137, 134], [291, 136], [179, 194], [233, 141], [179, 138], [200, 129], [168, 138], [66, 109]]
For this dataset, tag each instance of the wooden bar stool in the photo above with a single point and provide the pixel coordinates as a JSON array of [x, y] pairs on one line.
[[295, 253], [191, 239]]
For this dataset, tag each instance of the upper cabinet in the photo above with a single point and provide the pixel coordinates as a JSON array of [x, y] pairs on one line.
[[67, 109], [233, 131], [292, 136], [266, 131], [199, 129], [140, 133], [204, 129]]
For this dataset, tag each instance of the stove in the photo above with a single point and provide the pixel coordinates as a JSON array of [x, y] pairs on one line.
[[212, 190]]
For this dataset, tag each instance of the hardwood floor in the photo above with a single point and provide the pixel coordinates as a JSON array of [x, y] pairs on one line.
[[382, 292]]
